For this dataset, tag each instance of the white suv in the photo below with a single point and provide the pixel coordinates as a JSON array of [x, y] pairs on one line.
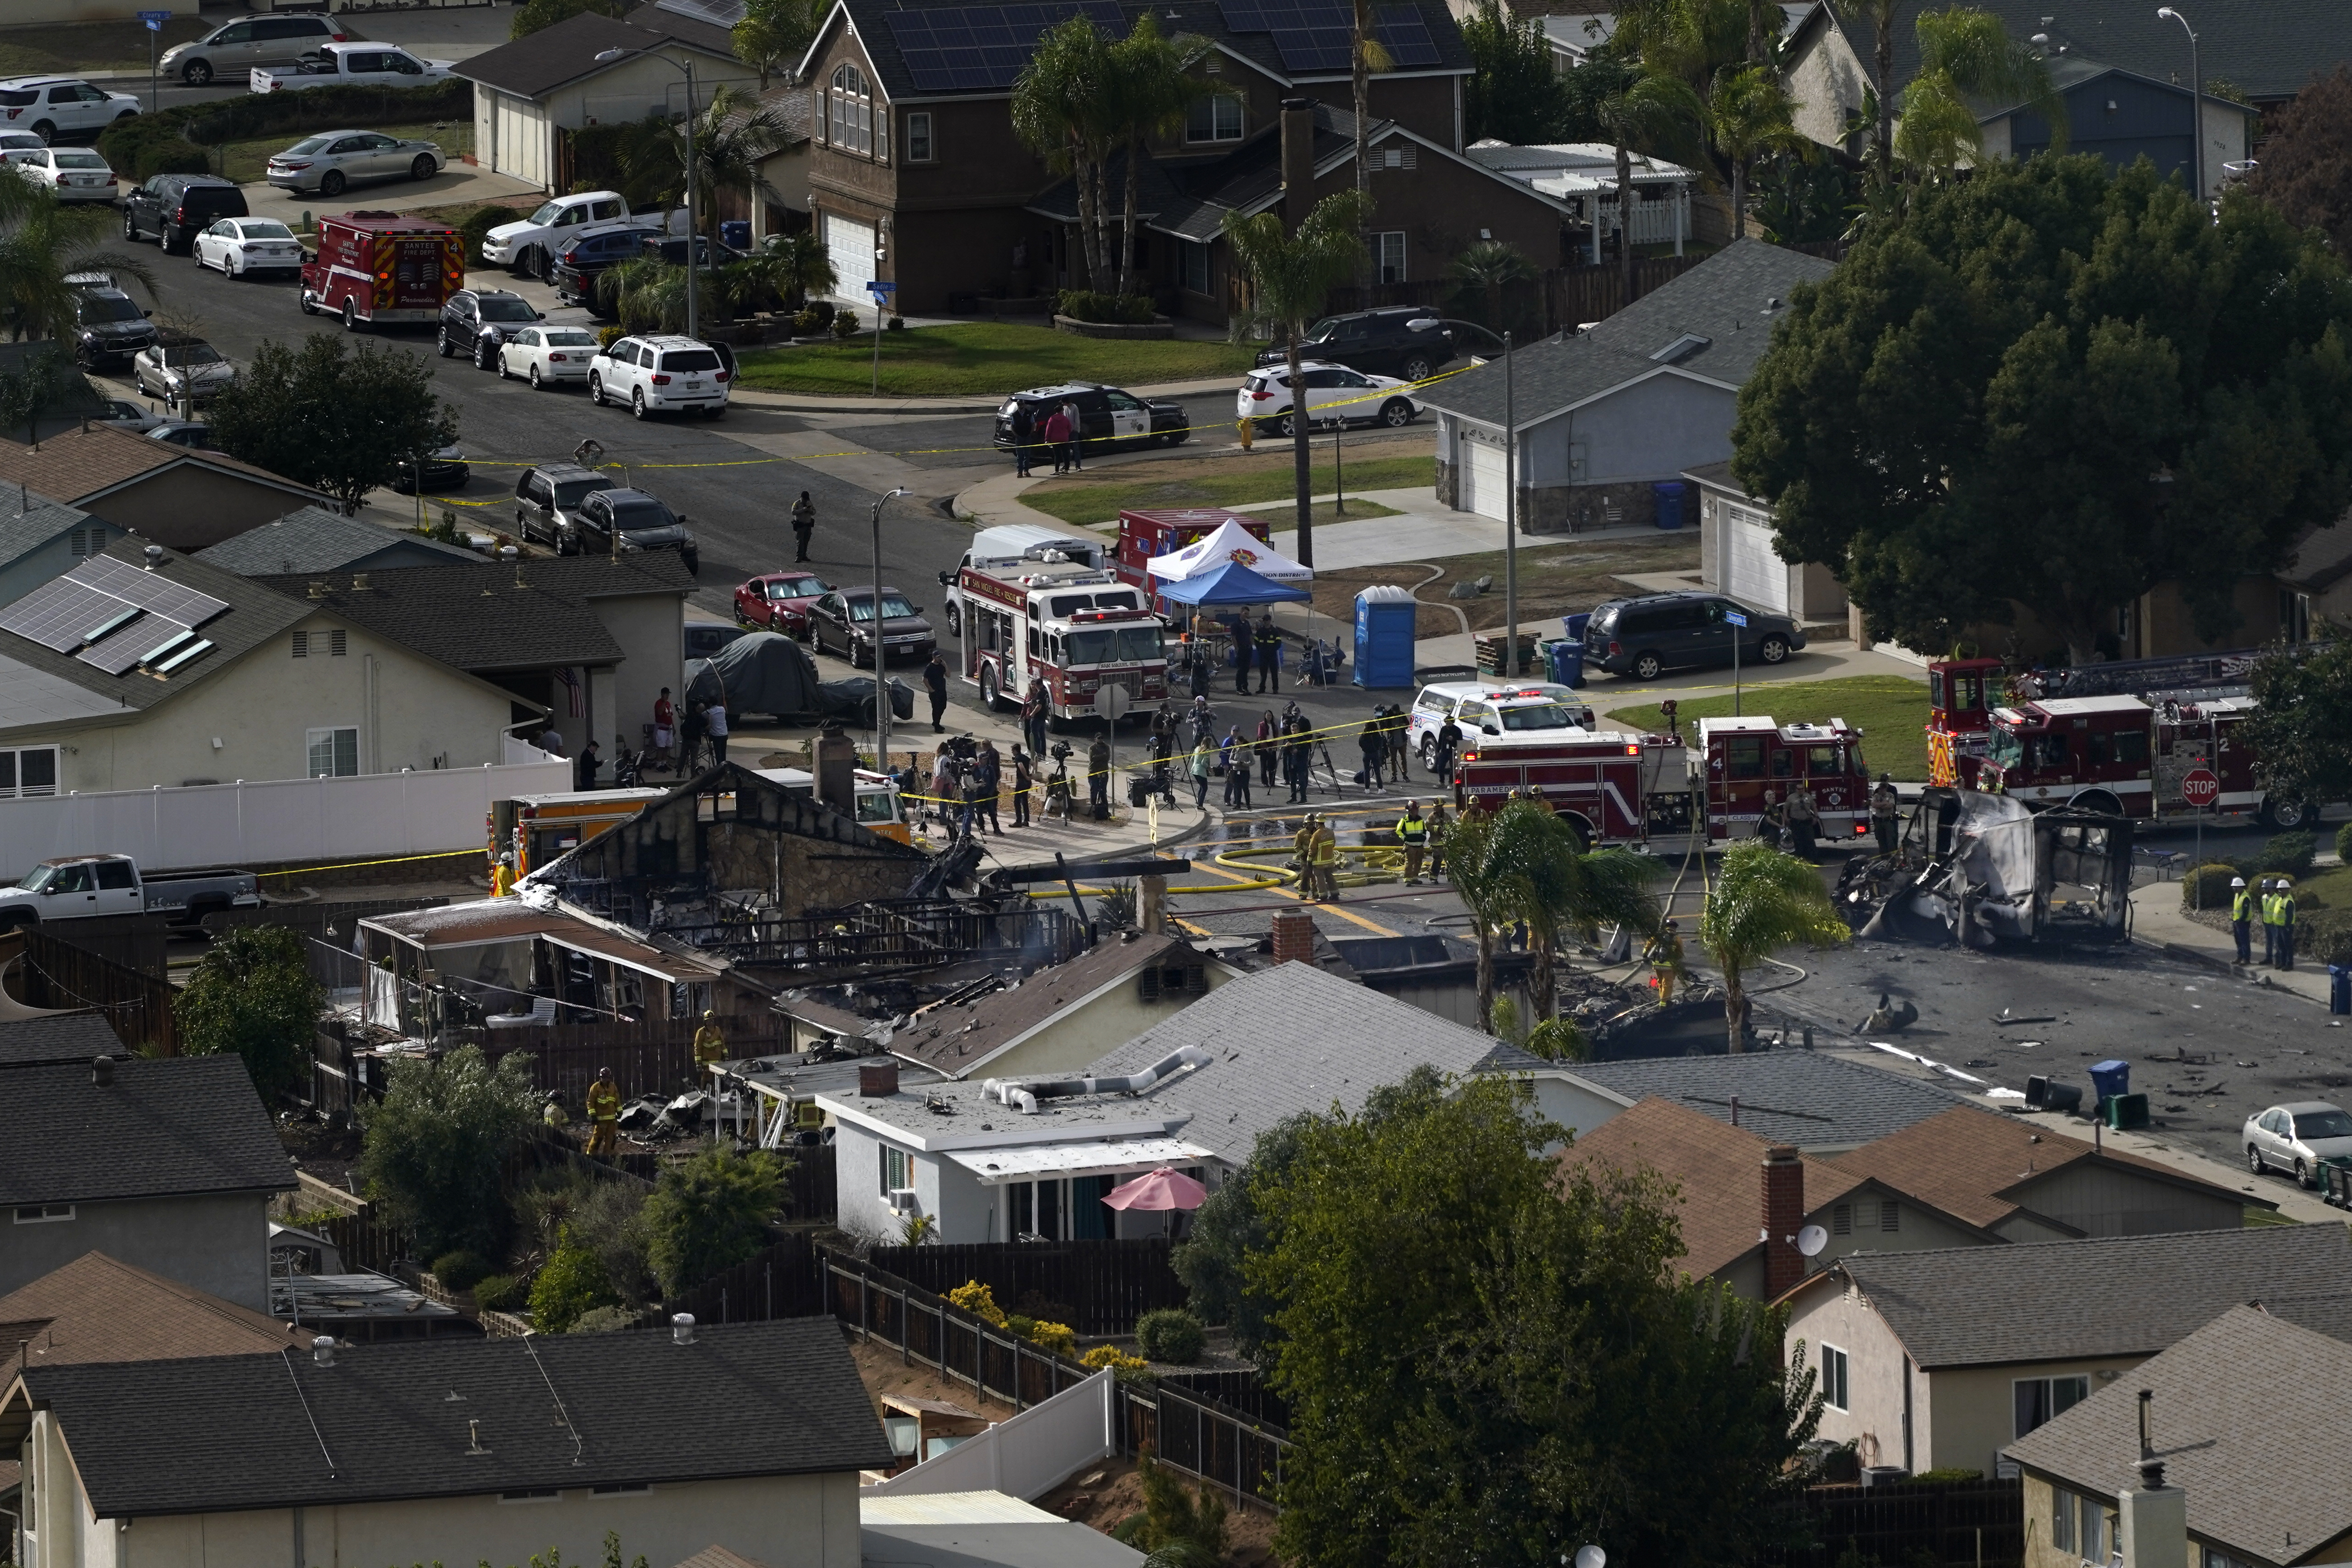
[[529, 244], [53, 106], [1335, 395], [1488, 712], [654, 375]]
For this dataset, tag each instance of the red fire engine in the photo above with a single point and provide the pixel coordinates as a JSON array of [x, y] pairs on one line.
[[379, 268], [1078, 629], [1144, 534]]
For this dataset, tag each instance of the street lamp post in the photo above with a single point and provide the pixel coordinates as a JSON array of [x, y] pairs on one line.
[[693, 305], [881, 666], [2196, 98]]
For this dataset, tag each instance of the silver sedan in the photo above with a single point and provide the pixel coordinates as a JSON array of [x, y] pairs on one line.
[[334, 160], [182, 374]]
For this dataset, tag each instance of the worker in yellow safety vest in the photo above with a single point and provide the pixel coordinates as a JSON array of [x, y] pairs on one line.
[[2242, 918], [1326, 864], [1413, 831], [603, 1114], [502, 877]]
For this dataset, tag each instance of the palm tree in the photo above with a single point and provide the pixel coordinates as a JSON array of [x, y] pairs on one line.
[[42, 243], [774, 34], [1966, 54], [647, 294], [1749, 114], [803, 267], [1483, 886], [1487, 266], [1882, 75], [1365, 56], [734, 133], [1762, 901], [1543, 875], [1058, 111], [1290, 275], [1152, 90], [1659, 111]]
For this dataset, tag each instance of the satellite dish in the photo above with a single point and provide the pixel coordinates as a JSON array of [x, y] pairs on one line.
[[1811, 1240], [1590, 1557]]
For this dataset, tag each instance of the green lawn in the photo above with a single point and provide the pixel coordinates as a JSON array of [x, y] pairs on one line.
[[2327, 888], [71, 48], [1890, 711], [1084, 503], [984, 358], [247, 161]]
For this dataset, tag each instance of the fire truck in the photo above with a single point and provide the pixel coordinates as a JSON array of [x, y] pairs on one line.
[[1144, 534], [1078, 627], [377, 269], [1657, 791]]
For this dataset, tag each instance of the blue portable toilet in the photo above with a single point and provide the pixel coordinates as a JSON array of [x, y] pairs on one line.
[[1384, 634], [1669, 498]]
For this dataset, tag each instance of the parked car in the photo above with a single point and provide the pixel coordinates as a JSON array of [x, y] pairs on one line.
[[700, 639], [19, 142], [1107, 416], [780, 602], [228, 52], [125, 414], [1497, 710], [242, 246], [174, 207], [547, 495], [476, 322], [355, 64], [2295, 1138], [53, 106], [1395, 339], [109, 326], [81, 887], [671, 249], [1645, 637], [182, 373], [644, 522], [333, 161], [445, 470], [528, 245], [659, 375], [587, 256], [844, 620], [182, 433], [70, 173], [1335, 395], [546, 355]]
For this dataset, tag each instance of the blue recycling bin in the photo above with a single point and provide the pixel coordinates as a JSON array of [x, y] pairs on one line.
[[1669, 499], [2340, 988], [1568, 662], [2110, 1078], [1574, 627], [735, 232], [1384, 634]]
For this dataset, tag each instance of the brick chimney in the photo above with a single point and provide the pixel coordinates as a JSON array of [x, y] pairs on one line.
[[1298, 161], [1294, 937], [1784, 1211]]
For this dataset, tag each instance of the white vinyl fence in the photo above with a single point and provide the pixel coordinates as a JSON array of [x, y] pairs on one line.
[[1028, 1454], [273, 822]]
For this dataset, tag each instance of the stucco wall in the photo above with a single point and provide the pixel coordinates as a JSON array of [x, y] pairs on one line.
[[1872, 1417], [49, 562], [1085, 1032], [189, 506], [220, 1244], [1976, 1408], [650, 629], [2100, 1200]]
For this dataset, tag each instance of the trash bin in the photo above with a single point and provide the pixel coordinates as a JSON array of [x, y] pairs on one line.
[[1568, 662], [735, 232], [2340, 988], [2125, 1112], [2110, 1078], [1669, 498], [1574, 627]]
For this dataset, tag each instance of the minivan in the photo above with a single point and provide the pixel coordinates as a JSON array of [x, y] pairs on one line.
[[234, 48], [1646, 637]]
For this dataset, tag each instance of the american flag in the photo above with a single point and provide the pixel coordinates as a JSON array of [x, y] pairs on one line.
[[570, 687]]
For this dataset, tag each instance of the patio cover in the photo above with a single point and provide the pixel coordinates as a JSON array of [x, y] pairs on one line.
[[1228, 541], [1231, 583], [1027, 1162]]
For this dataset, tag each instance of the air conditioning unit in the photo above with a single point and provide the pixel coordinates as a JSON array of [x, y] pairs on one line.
[[902, 1201]]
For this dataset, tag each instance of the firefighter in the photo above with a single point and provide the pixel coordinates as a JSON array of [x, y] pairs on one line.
[[603, 1114], [1883, 806], [503, 877], [1664, 952], [1302, 856], [1440, 825], [2286, 925], [710, 1044], [1327, 863], [2242, 915], [2267, 902], [552, 1114], [1413, 830]]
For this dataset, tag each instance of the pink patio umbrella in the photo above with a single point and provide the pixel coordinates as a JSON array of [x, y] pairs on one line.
[[1160, 1189]]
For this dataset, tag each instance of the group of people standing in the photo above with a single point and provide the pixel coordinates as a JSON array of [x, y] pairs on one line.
[[1258, 645], [1057, 433], [1384, 744], [2271, 900]]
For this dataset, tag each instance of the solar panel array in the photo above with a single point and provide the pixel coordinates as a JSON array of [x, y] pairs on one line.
[[115, 614], [151, 591], [1317, 35], [984, 48], [60, 615]]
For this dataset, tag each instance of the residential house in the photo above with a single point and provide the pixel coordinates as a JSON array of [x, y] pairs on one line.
[[1584, 174], [41, 539], [197, 675], [2026, 1184], [1192, 1092], [453, 1450], [530, 94], [2223, 1408], [1742, 1199], [55, 1038], [1436, 974], [2123, 116], [588, 641], [100, 1308], [1820, 1102], [1574, 34], [314, 541], [785, 171], [1940, 1359], [1606, 416], [980, 1529], [167, 1164], [2316, 584], [1736, 554], [182, 497]]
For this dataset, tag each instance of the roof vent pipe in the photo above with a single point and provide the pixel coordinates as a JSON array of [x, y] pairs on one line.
[[102, 1071], [322, 1350], [154, 557], [681, 1329], [1026, 1095]]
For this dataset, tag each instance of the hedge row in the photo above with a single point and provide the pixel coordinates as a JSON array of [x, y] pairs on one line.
[[173, 142]]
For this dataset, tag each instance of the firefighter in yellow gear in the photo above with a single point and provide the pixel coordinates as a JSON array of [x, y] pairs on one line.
[[1413, 831], [710, 1044], [1326, 852], [603, 1114], [1302, 853], [502, 877], [1665, 955]]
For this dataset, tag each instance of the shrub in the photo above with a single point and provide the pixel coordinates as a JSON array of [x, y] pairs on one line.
[[435, 1147], [570, 1285], [1170, 1335], [1058, 1338], [2344, 844], [1085, 305], [978, 1301], [710, 1214], [897, 323], [500, 1293], [607, 336], [807, 323], [845, 325], [605, 1216], [1173, 1514], [2325, 937], [142, 146], [2207, 886], [1949, 1473], [604, 1321], [2289, 852], [252, 996], [476, 228], [461, 1270], [1113, 1357]]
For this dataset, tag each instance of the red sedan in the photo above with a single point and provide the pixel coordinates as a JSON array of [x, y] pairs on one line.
[[780, 601]]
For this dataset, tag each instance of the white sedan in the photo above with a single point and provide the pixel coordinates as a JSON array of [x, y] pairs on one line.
[[544, 356], [238, 246], [75, 173], [1335, 395]]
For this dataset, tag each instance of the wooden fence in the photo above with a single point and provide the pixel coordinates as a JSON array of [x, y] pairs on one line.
[[1094, 1287], [654, 1058], [371, 1241], [1958, 1522], [781, 1282], [1244, 1392], [55, 972]]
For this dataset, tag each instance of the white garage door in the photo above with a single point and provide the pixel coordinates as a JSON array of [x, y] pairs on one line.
[[521, 137], [1759, 578], [1482, 482], [849, 245]]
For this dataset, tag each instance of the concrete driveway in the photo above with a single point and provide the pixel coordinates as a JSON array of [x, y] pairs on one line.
[[459, 185]]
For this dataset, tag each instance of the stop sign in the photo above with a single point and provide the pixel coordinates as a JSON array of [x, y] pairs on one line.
[[2200, 788]]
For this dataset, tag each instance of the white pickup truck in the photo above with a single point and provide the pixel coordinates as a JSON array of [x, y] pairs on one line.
[[378, 64], [79, 887]]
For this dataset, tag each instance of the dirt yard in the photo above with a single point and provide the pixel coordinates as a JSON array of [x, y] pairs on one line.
[[1554, 581]]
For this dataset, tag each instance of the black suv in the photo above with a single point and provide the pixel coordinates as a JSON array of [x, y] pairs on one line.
[[1646, 637], [582, 259], [547, 497], [476, 322], [1395, 339], [1108, 416], [108, 325], [645, 522], [175, 208]]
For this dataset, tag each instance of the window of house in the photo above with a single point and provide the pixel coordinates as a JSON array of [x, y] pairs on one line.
[[1389, 247], [1834, 1377], [2092, 1528], [853, 111], [2062, 1518], [2214, 1559], [2041, 1399], [29, 771], [1217, 119], [1196, 267], [897, 1171], [43, 1214], [1403, 156], [334, 754], [919, 139]]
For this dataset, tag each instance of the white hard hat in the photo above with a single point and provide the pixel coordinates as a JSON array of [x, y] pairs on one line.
[[2237, 881]]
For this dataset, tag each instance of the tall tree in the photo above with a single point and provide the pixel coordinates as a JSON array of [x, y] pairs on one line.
[[337, 413], [252, 996], [1490, 265], [775, 35], [1655, 111], [2307, 165], [42, 242], [1515, 95], [1762, 902], [1366, 53], [1058, 113], [1549, 881], [1965, 57], [1290, 275], [733, 134], [2054, 386], [434, 1150], [1880, 158], [1153, 89], [2303, 713], [1749, 115]]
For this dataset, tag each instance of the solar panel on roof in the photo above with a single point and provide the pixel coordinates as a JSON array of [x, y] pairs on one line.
[[151, 591], [1406, 33], [134, 645], [982, 48], [58, 615], [1318, 34]]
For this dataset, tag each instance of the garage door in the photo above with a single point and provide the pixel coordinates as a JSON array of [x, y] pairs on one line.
[[521, 139], [1482, 481], [1759, 578], [849, 245]]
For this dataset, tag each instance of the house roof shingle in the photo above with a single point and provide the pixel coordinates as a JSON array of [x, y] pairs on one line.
[[1809, 1099], [314, 540], [462, 1417], [100, 1309], [30, 519], [64, 1037], [535, 66], [166, 1127], [83, 463], [1723, 301], [2108, 1296], [957, 1040]]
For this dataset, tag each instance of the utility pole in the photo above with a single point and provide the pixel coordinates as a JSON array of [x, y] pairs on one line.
[[881, 662], [2196, 99], [1510, 525]]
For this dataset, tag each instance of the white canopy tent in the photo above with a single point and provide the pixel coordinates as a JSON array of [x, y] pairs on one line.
[[1228, 541]]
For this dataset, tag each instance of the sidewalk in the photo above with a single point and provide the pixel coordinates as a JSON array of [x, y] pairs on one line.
[[2158, 922]]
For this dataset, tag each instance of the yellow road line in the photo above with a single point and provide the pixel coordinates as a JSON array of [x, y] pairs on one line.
[[1281, 893]]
